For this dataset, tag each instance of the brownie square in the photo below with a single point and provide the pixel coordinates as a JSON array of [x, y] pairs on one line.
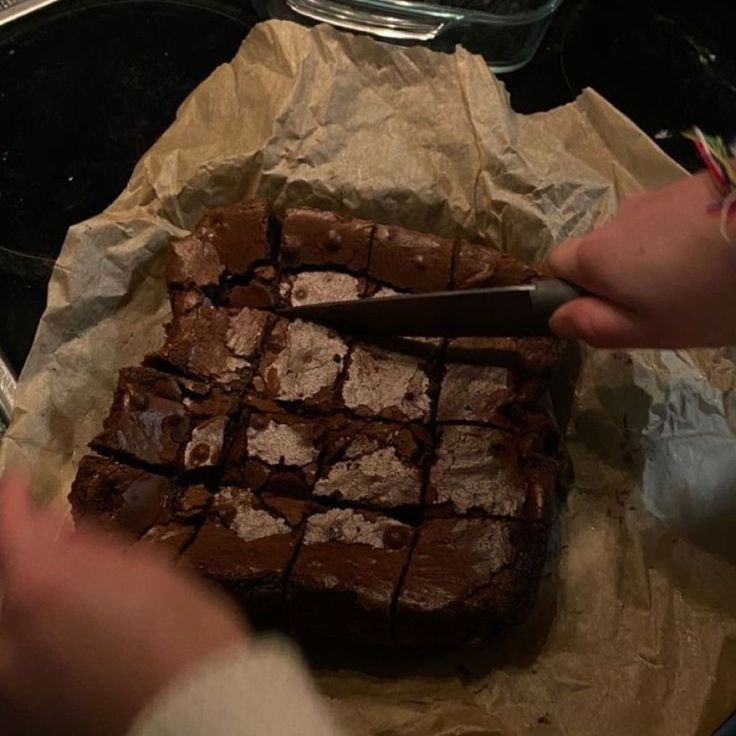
[[490, 470], [246, 547], [166, 422], [318, 238], [379, 465], [346, 575], [313, 287], [410, 260], [275, 453], [213, 344], [387, 384], [193, 262], [120, 497], [466, 577], [301, 362], [489, 380], [227, 240], [475, 393], [479, 266]]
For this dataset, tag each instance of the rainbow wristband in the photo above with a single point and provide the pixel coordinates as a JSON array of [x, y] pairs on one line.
[[720, 160]]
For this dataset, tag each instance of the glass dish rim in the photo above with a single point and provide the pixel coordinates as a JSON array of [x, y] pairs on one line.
[[449, 13]]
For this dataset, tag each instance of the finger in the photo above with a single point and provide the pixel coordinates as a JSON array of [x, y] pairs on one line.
[[582, 261], [601, 324], [15, 517]]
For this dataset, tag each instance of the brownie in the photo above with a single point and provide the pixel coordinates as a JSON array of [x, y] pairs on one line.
[[346, 575], [531, 356], [488, 380], [193, 262], [479, 266], [191, 503], [301, 362], [213, 344], [166, 422], [119, 497], [275, 452], [475, 393], [379, 465], [383, 492], [489, 470], [260, 292], [248, 548], [166, 539], [466, 578], [313, 287], [387, 384], [406, 259], [185, 300], [227, 240], [319, 238]]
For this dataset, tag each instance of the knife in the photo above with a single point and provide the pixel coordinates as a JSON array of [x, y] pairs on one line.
[[14, 9], [506, 311], [7, 389]]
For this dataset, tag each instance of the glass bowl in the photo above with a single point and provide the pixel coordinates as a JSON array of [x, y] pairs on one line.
[[507, 33]]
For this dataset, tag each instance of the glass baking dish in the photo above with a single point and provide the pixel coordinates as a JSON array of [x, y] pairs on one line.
[[507, 33]]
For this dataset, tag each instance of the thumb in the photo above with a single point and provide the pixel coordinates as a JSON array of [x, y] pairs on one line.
[[601, 324]]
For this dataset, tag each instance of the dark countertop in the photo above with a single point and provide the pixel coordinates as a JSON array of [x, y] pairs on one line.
[[65, 153]]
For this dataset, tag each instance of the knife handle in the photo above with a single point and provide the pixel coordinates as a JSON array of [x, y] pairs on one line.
[[550, 294]]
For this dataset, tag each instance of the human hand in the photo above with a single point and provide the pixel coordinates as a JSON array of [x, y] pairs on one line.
[[91, 631], [661, 273]]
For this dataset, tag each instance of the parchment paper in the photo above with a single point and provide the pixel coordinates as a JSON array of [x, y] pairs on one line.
[[634, 632]]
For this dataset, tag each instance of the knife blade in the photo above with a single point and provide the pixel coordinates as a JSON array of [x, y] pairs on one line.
[[14, 9], [507, 311], [7, 389]]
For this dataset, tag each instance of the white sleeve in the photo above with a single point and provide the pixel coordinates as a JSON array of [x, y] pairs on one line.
[[260, 689]]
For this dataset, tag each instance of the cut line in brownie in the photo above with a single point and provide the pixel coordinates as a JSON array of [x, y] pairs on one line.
[[346, 576], [216, 344], [488, 470], [336, 458], [466, 578], [301, 362], [260, 291], [379, 465], [227, 241], [247, 547], [312, 237], [167, 422], [539, 357], [275, 453], [119, 497]]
